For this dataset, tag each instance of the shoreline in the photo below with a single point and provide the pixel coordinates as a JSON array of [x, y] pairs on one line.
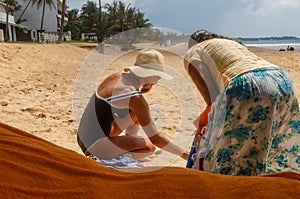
[[277, 46]]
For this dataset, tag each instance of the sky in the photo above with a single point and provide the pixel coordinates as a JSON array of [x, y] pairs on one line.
[[234, 18]]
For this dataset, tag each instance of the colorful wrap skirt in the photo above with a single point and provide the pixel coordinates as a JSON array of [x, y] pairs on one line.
[[253, 127]]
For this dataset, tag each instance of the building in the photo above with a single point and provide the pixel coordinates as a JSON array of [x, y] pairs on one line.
[[52, 19], [16, 32]]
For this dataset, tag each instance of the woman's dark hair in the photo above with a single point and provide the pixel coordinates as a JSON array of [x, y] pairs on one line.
[[202, 35]]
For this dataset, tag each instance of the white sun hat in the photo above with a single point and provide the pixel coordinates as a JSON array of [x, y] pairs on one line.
[[149, 62]]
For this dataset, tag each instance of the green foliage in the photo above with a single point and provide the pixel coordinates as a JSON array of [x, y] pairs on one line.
[[89, 17], [74, 24], [120, 24], [115, 18]]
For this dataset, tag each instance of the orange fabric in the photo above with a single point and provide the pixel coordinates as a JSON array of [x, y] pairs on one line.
[[203, 118], [34, 168]]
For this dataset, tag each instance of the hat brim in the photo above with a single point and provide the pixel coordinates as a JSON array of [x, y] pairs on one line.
[[143, 72]]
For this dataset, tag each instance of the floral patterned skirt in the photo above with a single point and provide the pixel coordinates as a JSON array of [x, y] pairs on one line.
[[254, 126]]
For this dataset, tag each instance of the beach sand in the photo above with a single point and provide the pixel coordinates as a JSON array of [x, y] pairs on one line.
[[45, 87]]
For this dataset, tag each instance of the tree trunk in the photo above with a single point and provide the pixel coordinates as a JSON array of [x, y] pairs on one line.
[[20, 17], [61, 31], [100, 25], [6, 38], [43, 15]]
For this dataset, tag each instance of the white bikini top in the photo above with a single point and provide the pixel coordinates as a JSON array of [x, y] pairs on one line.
[[119, 96]]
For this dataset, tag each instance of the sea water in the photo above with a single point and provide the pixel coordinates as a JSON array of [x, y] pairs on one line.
[[275, 44]]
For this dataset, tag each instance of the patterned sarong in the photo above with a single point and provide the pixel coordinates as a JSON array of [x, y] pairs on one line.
[[254, 126]]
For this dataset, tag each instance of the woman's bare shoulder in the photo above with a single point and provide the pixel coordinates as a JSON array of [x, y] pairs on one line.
[[109, 85], [112, 77]]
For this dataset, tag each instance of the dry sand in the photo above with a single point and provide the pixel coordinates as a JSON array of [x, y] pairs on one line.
[[45, 87]]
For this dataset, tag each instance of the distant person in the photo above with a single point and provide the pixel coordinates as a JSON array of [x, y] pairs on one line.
[[253, 126], [290, 48], [119, 105]]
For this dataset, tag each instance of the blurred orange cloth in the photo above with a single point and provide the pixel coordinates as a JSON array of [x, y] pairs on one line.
[[35, 168]]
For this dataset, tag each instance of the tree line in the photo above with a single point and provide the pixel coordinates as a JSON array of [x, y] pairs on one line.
[[105, 21], [116, 23], [113, 19]]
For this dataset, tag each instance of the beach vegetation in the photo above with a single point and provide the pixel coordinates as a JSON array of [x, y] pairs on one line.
[[116, 23], [74, 24], [115, 18], [89, 17]]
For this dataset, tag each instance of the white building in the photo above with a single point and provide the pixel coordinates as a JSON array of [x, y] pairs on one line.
[[16, 32], [52, 18]]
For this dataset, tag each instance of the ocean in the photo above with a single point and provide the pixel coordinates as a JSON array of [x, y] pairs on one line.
[[275, 44]]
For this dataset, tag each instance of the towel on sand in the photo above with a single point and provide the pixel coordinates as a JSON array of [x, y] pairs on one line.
[[34, 168]]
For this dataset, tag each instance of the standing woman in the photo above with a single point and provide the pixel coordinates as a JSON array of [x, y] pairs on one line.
[[119, 105], [253, 127]]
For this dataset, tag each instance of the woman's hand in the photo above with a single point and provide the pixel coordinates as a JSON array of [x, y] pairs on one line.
[[185, 155]]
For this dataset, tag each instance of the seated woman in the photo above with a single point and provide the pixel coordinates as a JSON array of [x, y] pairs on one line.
[[118, 105], [254, 126]]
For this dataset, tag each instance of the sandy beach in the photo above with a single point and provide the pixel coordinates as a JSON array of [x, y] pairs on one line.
[[45, 87]]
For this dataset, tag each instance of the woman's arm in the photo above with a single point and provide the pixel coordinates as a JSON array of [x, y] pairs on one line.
[[194, 71], [207, 79], [141, 108]]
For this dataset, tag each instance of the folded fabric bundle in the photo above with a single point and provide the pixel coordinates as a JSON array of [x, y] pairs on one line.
[[124, 161], [34, 168]]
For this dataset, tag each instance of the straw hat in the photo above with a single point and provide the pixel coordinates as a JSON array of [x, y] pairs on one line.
[[149, 62]]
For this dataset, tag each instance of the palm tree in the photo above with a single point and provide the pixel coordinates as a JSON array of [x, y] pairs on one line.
[[124, 18], [110, 19], [74, 24], [100, 24], [62, 21], [139, 20], [48, 2], [43, 3], [89, 17], [116, 18], [20, 20], [122, 11]]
